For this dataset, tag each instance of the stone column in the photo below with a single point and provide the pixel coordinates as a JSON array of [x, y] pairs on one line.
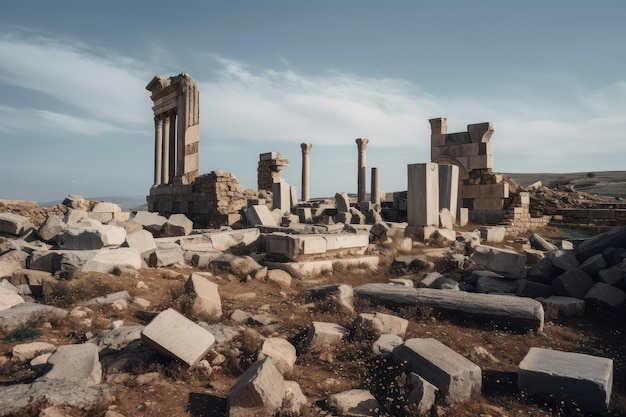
[[362, 145], [306, 151], [375, 194], [165, 172], [158, 149], [174, 147], [423, 195]]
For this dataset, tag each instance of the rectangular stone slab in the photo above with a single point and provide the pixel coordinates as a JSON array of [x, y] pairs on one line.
[[172, 334], [584, 378], [457, 378]]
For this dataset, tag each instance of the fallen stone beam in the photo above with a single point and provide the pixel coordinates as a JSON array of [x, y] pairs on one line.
[[517, 312]]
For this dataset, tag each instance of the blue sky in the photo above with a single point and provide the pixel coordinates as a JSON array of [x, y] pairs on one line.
[[75, 116]]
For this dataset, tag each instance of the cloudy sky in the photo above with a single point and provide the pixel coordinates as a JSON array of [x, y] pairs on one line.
[[75, 116]]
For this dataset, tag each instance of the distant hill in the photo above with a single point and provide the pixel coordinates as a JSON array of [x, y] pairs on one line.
[[609, 183]]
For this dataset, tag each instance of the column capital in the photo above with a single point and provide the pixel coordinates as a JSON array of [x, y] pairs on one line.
[[362, 144], [306, 148]]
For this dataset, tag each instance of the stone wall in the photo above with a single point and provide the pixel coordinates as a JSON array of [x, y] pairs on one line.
[[518, 218], [268, 171]]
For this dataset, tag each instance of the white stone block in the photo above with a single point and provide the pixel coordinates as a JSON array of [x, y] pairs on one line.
[[423, 195]]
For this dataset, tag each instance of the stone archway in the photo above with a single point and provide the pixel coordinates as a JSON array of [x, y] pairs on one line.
[[463, 174]]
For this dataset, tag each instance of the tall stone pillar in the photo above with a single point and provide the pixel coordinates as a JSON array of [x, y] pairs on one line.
[[362, 146], [438, 126], [375, 194], [158, 149], [165, 172], [306, 151], [422, 205]]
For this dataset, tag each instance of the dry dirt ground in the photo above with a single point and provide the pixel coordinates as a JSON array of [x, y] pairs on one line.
[[174, 390]]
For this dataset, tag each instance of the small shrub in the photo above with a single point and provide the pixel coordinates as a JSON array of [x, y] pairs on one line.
[[591, 175]]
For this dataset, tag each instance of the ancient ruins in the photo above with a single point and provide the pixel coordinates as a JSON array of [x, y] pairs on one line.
[[443, 299]]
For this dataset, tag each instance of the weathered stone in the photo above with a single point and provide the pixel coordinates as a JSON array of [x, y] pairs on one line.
[[605, 295], [259, 391], [31, 277], [121, 298], [612, 276], [379, 230], [423, 194], [583, 378], [295, 247], [518, 312], [294, 398], [478, 274], [241, 266], [76, 363], [385, 344], [117, 338], [21, 314], [334, 296], [496, 285], [597, 244], [503, 261], [594, 264], [354, 403], [457, 378], [260, 215], [342, 202], [51, 228], [106, 207], [13, 224], [282, 353], [228, 239], [8, 295], [86, 238], [492, 233], [539, 243], [279, 277], [26, 351], [564, 306], [422, 395], [437, 281], [322, 334], [446, 219], [177, 225], [142, 241], [526, 288], [407, 264], [106, 260], [207, 301], [543, 271], [383, 323], [573, 283], [167, 255], [563, 260], [172, 334]]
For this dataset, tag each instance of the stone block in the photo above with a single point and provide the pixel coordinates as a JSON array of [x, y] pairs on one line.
[[260, 215], [281, 197], [342, 202], [228, 239], [152, 222], [280, 278], [106, 207], [564, 306], [597, 244], [177, 225], [50, 229], [8, 295], [492, 233], [334, 296], [480, 132], [167, 255], [13, 224], [86, 238], [448, 187], [105, 260], [324, 334], [495, 285], [573, 283], [26, 351], [281, 352], [305, 214], [539, 243], [480, 162], [355, 402], [437, 281], [526, 288], [503, 261], [488, 204], [385, 344], [457, 378], [22, 314], [142, 241], [563, 260], [583, 378], [462, 216], [485, 191], [383, 323], [422, 395], [612, 276], [101, 217], [446, 220], [423, 194], [486, 216], [172, 334], [206, 297], [31, 277], [605, 295], [258, 392], [76, 363]]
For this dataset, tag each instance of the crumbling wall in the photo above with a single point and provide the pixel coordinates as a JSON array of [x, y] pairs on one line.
[[268, 171]]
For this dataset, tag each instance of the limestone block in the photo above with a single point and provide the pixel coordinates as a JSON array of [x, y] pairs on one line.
[[303, 269], [597, 244], [526, 288], [304, 214], [279, 277], [584, 378], [260, 215], [152, 222], [379, 230], [21, 314], [241, 266], [480, 132], [294, 398], [105, 260], [487, 285], [564, 306], [605, 295], [612, 276], [423, 194], [282, 353], [76, 363], [563, 260], [503, 261], [406, 264], [438, 281], [75, 201], [259, 391], [50, 229], [385, 344], [106, 207], [354, 243], [422, 395], [355, 402], [167, 255], [485, 191], [207, 301], [543, 271], [172, 334], [323, 334], [26, 351], [480, 162], [488, 203], [101, 217], [13, 224], [448, 187], [229, 239], [31, 277], [383, 323], [142, 241], [446, 220], [539, 243], [492, 233], [573, 283], [462, 216], [342, 202], [177, 225], [334, 296], [86, 238], [457, 378], [121, 298], [281, 196], [8, 295]]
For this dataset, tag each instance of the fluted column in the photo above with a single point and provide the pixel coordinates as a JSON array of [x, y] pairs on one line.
[[158, 149], [362, 146], [375, 194], [165, 172], [306, 151], [174, 148]]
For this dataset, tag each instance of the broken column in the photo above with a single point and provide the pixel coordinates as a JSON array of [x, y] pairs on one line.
[[375, 195], [362, 146], [281, 196], [448, 187], [423, 194], [306, 151]]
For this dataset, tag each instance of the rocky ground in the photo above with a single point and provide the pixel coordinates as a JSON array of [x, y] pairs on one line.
[[136, 380]]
